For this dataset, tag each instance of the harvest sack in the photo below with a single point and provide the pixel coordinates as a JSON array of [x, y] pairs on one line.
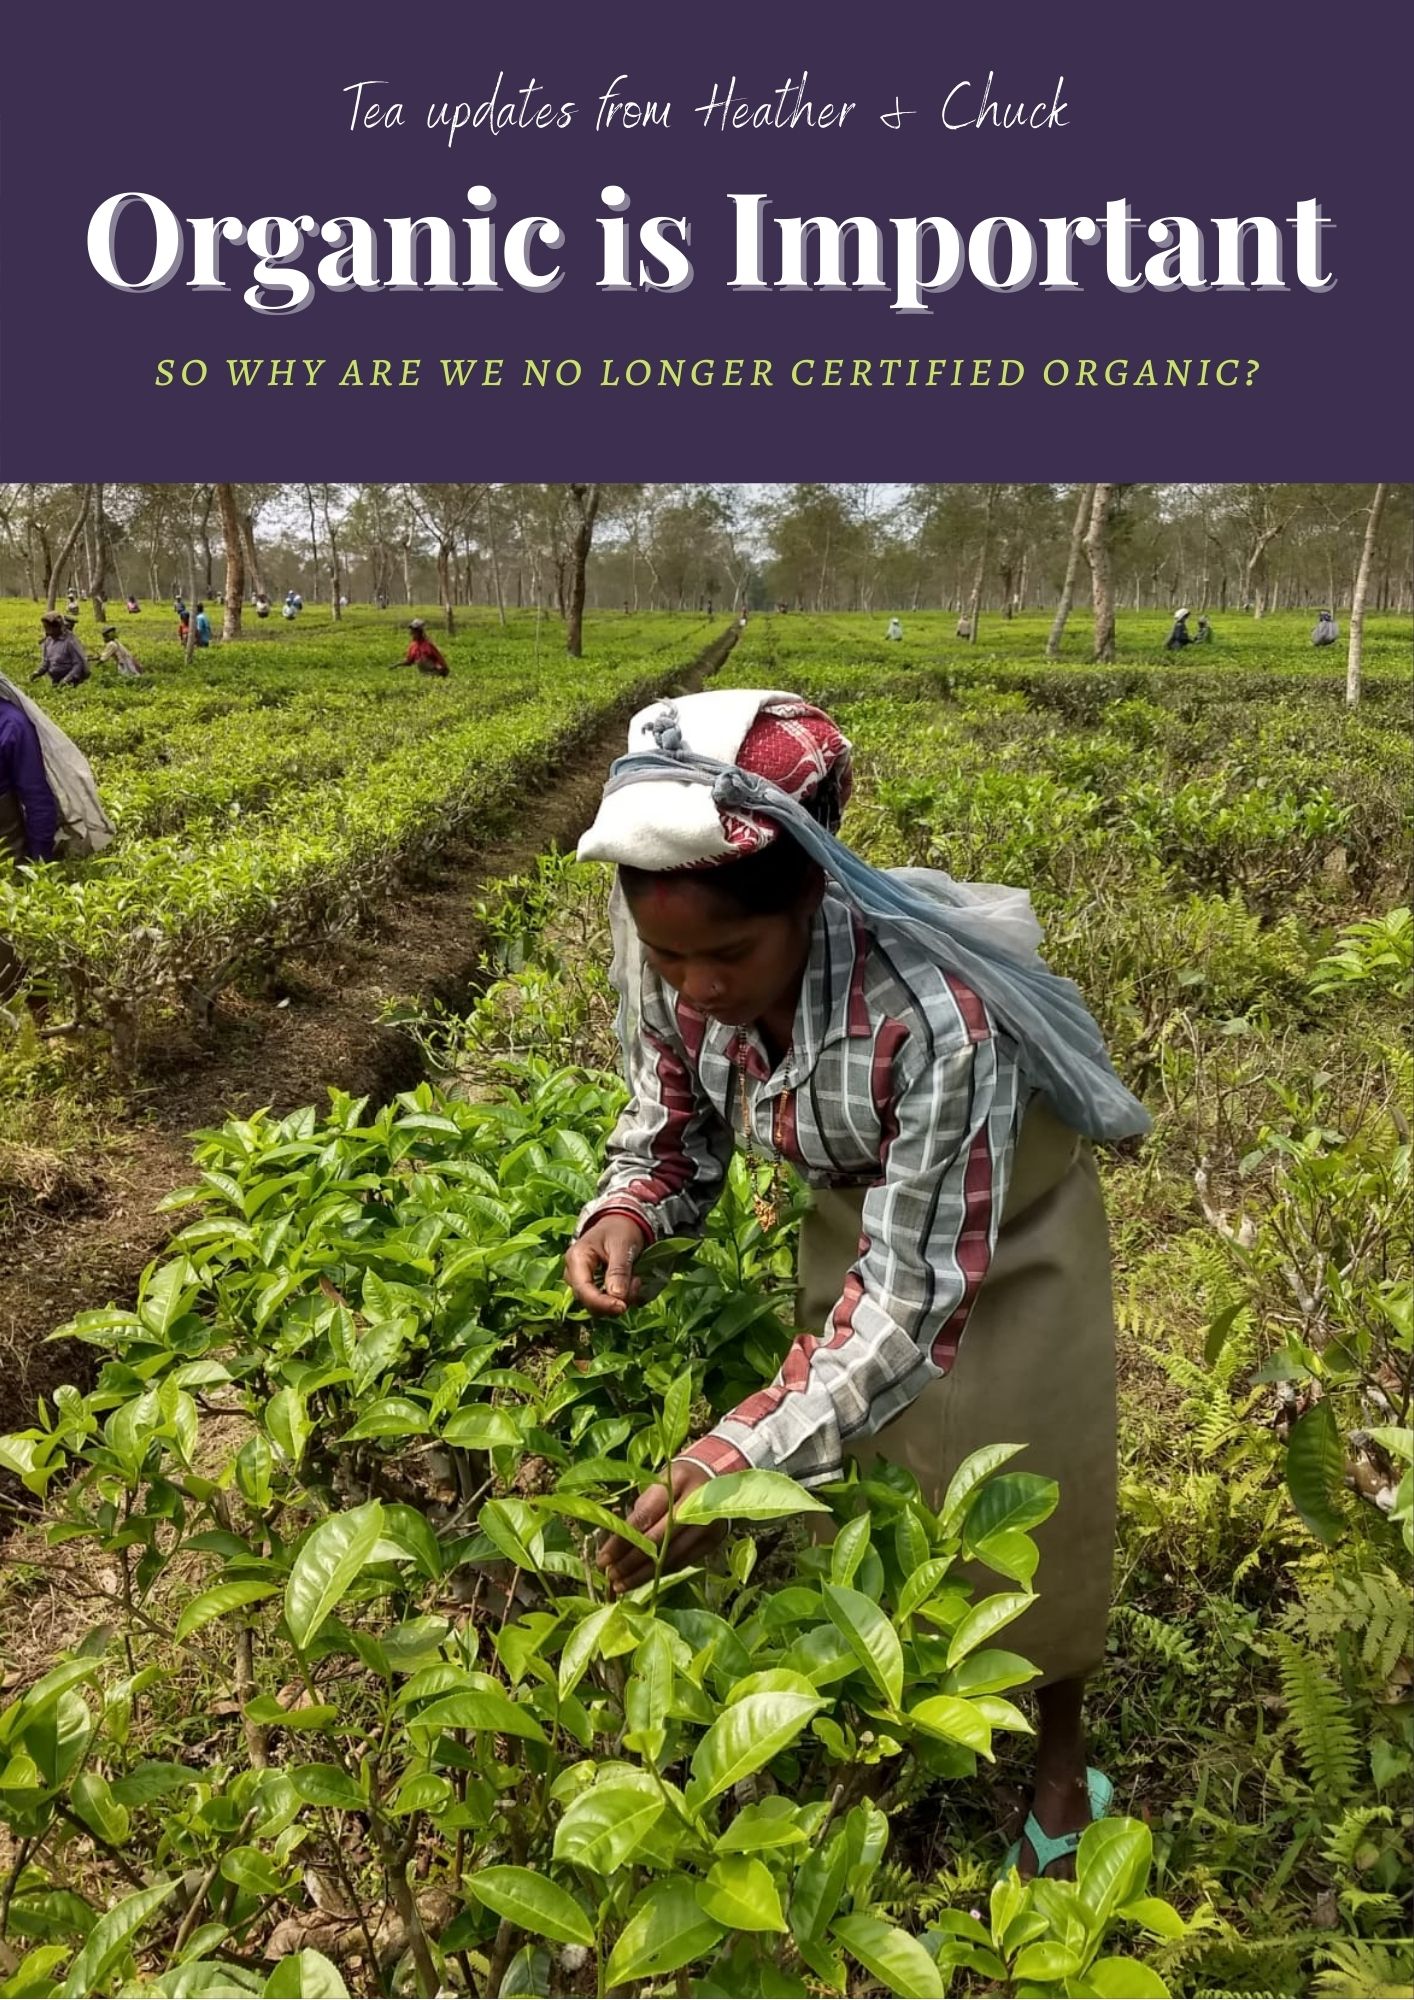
[[1035, 1366], [84, 827]]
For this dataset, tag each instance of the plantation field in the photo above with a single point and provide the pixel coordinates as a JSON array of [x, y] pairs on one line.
[[273, 790], [313, 1684]]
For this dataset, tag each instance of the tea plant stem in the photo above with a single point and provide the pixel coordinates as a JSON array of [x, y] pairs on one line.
[[337, 1852], [113, 1853], [128, 1598], [396, 1861], [501, 1951], [257, 1737], [188, 1923], [22, 1854]]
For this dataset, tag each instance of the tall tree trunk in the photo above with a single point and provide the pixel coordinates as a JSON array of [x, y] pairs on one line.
[[1256, 591], [1097, 554], [30, 590], [974, 609], [208, 565], [1357, 602], [191, 597], [445, 552], [336, 574], [313, 536], [1078, 526], [252, 555], [97, 591], [495, 557], [56, 568], [235, 561], [586, 502]]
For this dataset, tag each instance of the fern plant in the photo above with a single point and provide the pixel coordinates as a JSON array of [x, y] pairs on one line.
[[1369, 1611], [1319, 1721], [1356, 1970]]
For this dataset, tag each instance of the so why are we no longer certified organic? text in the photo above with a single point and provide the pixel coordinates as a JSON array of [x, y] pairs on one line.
[[682, 372]]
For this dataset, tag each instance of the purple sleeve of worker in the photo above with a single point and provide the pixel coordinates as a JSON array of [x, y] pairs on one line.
[[22, 767]]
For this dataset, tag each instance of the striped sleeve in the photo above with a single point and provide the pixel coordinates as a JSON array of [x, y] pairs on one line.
[[668, 1154], [928, 1232]]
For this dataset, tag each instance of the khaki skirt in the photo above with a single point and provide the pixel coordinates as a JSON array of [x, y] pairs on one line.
[[1035, 1366]]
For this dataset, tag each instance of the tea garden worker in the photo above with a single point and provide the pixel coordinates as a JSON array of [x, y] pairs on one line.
[[116, 653], [896, 1038], [1180, 636], [29, 817], [422, 653], [61, 658]]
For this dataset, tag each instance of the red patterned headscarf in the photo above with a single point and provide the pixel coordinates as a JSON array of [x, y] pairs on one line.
[[670, 822], [800, 749]]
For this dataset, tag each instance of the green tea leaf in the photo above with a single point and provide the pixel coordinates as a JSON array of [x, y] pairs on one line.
[[327, 1785], [740, 1894], [871, 1637], [1315, 1470], [306, 1975], [603, 1828], [480, 1427], [390, 1417], [667, 1928], [480, 1708], [968, 1477], [895, 1958], [1117, 1978], [534, 1903], [819, 1884], [770, 1822], [327, 1565], [110, 1937], [1155, 1915], [218, 1601], [1014, 1501], [1112, 1863], [744, 1738], [748, 1496], [989, 1672], [983, 1620], [955, 1720], [847, 1549]]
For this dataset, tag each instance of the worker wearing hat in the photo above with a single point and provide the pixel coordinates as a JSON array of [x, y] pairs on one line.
[[116, 652], [62, 659], [422, 654], [1180, 635]]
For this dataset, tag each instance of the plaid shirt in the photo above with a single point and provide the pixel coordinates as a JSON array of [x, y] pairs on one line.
[[896, 1079]]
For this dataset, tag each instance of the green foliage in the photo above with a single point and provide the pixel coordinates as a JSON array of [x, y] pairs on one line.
[[1319, 1720], [352, 1297], [349, 1450], [1377, 951], [272, 795]]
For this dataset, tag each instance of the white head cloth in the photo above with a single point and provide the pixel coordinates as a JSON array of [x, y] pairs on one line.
[[670, 822]]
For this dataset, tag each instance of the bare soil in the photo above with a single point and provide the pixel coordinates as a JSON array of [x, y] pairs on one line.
[[317, 1028]]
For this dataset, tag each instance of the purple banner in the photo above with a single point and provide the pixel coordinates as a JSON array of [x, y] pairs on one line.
[[1027, 258]]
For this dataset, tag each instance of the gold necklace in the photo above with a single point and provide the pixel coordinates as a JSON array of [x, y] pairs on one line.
[[767, 1202]]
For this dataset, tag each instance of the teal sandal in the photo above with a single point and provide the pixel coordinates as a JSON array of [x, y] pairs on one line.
[[1047, 1847]]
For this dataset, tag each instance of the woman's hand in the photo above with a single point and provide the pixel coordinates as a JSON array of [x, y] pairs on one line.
[[612, 1246], [627, 1566]]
